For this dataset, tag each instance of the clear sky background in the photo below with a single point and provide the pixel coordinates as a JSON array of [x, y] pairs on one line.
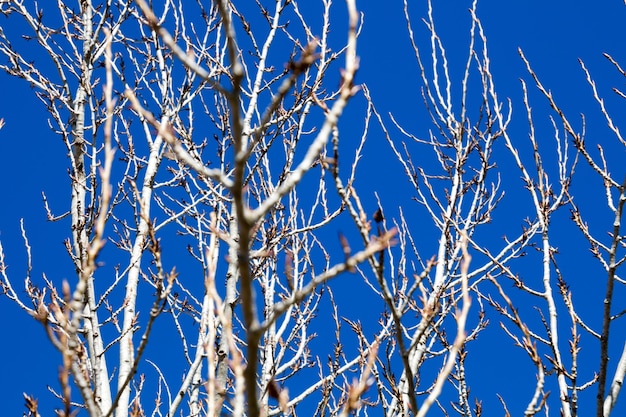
[[553, 36]]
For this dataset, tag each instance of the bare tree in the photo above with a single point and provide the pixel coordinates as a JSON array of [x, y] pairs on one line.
[[178, 92], [460, 197], [215, 128]]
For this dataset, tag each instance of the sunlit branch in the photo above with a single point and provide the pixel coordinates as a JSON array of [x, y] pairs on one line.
[[330, 121], [184, 57], [459, 342], [380, 243], [167, 133]]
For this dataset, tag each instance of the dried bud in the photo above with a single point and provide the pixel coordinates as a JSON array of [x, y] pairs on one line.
[[273, 389], [378, 216]]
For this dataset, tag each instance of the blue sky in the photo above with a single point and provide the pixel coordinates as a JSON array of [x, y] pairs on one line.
[[553, 36]]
